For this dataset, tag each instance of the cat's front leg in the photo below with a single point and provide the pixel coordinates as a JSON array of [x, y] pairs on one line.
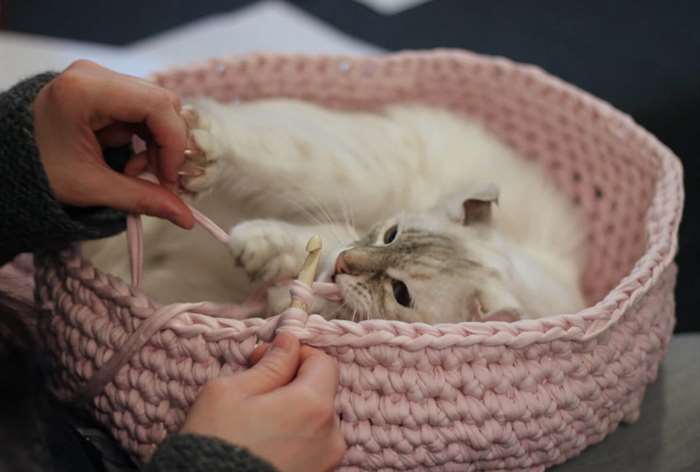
[[270, 250], [244, 165], [203, 157], [267, 250], [289, 160]]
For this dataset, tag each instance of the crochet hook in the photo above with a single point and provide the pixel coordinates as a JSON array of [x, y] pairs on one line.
[[307, 274]]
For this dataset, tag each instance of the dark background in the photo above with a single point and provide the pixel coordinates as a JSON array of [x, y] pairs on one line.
[[642, 56]]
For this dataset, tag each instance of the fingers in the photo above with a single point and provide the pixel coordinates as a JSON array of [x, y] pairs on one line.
[[114, 98], [169, 134], [158, 109], [136, 165], [87, 108], [318, 372], [304, 353], [115, 135], [258, 353], [134, 195], [276, 368]]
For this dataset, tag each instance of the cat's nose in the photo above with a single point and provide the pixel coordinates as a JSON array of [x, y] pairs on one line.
[[341, 265]]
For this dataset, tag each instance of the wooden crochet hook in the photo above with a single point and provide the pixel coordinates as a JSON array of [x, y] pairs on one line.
[[307, 274]]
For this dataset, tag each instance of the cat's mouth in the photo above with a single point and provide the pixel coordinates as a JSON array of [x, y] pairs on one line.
[[355, 298], [343, 281]]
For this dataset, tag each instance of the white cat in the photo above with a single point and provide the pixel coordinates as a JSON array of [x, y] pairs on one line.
[[424, 216]]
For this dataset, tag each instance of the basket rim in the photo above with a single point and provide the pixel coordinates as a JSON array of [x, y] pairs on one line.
[[661, 224]]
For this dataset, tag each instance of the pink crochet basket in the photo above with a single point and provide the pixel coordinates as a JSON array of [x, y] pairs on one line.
[[467, 396]]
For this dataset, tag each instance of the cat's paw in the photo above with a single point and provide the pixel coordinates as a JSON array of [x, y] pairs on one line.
[[202, 157], [509, 315], [266, 250]]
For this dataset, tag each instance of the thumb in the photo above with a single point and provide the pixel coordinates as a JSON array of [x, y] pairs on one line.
[[134, 195], [276, 369]]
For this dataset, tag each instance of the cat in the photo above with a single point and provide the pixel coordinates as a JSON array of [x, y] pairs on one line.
[[424, 215]]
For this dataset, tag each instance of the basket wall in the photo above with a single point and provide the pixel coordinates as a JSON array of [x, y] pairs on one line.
[[469, 396]]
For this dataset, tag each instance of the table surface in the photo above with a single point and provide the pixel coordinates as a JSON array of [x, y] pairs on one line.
[[666, 438]]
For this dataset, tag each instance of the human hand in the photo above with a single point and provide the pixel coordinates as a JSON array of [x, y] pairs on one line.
[[281, 409], [87, 108]]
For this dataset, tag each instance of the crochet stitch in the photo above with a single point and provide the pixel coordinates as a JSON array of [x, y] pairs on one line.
[[412, 396]]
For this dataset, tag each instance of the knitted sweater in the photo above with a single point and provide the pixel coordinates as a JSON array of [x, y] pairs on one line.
[[31, 216], [33, 219]]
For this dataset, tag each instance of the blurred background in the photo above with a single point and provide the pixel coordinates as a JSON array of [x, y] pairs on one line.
[[642, 56]]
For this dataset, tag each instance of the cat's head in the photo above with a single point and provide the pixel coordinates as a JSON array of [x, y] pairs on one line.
[[442, 265]]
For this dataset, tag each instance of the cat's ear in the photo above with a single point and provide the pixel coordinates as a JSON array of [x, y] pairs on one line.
[[475, 207], [494, 304]]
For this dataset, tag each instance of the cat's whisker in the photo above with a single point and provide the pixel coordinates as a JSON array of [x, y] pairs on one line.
[[312, 217], [347, 213], [339, 309], [355, 313], [329, 224], [332, 221], [365, 302], [321, 209], [352, 231], [351, 228], [323, 216], [343, 214], [351, 209]]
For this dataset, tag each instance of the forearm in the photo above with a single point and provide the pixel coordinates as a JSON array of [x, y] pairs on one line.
[[31, 216], [194, 453]]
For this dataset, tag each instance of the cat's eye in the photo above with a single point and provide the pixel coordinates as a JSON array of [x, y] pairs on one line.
[[401, 293], [390, 234]]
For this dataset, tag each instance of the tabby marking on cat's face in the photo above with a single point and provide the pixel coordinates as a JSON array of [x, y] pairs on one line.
[[426, 267]]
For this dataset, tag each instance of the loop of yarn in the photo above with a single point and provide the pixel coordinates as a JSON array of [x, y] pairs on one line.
[[143, 333], [302, 292], [254, 304], [134, 231], [292, 320], [134, 235]]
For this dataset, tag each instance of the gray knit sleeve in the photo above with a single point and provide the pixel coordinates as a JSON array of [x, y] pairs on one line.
[[31, 217], [193, 453]]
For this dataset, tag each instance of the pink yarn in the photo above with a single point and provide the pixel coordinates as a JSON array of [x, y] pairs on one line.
[[412, 396], [254, 305]]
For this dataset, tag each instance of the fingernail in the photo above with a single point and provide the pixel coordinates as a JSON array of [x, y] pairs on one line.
[[283, 341], [179, 218]]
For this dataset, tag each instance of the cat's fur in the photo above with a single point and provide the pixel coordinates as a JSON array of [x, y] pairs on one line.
[[478, 233]]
